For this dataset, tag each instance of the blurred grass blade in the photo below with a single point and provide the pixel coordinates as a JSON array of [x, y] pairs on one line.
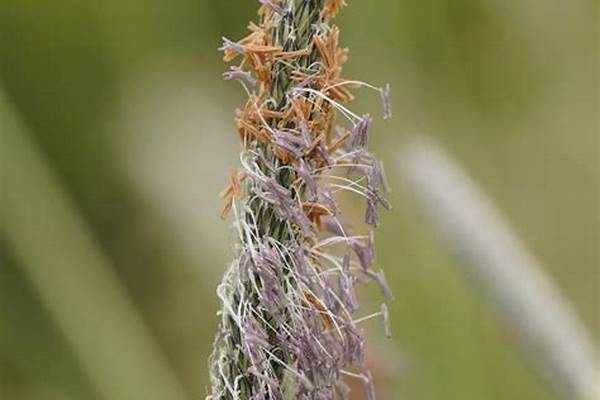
[[504, 269], [74, 280]]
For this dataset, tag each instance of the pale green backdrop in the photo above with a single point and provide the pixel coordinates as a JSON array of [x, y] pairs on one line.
[[117, 134]]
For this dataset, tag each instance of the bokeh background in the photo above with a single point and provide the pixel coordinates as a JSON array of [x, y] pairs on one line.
[[117, 134]]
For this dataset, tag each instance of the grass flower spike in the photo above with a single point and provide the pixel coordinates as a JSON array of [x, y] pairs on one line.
[[288, 328]]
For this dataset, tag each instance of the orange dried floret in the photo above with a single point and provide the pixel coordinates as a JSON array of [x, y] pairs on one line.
[[232, 191], [319, 306], [284, 55], [315, 211], [332, 7]]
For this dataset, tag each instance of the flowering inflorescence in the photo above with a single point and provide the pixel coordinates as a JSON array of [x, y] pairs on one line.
[[287, 329]]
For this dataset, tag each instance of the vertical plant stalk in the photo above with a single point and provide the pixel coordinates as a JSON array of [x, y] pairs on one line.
[[502, 267], [287, 327], [72, 277]]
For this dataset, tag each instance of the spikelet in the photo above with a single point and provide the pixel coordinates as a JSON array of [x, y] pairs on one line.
[[287, 328]]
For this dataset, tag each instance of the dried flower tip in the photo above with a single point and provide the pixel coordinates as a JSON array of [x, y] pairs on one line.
[[371, 214], [239, 74], [346, 282], [378, 177], [295, 145], [364, 252], [231, 46], [360, 133], [373, 200], [386, 98], [332, 7]]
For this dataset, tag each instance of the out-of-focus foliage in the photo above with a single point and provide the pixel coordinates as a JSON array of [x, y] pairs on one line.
[[124, 101]]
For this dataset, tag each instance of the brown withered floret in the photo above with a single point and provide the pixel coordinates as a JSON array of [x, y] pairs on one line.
[[284, 55], [232, 191], [259, 55], [334, 58], [326, 319], [332, 7], [290, 284], [315, 211]]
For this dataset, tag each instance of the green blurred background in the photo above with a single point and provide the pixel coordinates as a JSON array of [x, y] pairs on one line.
[[117, 133]]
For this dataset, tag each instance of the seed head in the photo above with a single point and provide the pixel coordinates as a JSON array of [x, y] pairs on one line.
[[287, 328]]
